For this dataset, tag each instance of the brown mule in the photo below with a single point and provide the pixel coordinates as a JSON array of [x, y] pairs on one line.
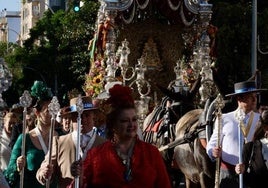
[[191, 156]]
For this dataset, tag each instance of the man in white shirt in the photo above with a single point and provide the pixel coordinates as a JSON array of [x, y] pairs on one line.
[[229, 150]]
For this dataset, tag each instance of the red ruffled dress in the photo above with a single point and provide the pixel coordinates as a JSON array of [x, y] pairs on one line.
[[104, 168]]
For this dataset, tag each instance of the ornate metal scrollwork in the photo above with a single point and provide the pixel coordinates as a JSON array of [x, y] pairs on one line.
[[117, 5], [123, 51], [192, 5], [140, 81]]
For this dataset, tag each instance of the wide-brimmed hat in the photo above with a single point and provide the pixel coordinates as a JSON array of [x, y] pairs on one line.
[[87, 105], [64, 111], [244, 87]]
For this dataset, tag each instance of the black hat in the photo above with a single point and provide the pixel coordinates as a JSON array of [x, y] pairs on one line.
[[244, 87]]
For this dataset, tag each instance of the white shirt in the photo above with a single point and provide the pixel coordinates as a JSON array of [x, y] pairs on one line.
[[229, 137], [87, 141]]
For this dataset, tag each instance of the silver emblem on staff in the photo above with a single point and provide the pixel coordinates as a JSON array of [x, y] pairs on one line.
[[240, 115], [53, 108], [25, 102], [219, 104], [79, 109]]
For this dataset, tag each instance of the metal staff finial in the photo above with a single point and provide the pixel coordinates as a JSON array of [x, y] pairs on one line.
[[53, 108], [79, 109], [25, 99], [25, 102], [219, 104], [79, 105]]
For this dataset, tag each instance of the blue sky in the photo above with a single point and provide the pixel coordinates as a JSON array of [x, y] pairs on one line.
[[10, 5]]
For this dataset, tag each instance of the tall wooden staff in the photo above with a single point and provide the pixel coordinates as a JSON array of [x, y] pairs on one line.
[[79, 109], [25, 102], [240, 116], [219, 105], [53, 108]]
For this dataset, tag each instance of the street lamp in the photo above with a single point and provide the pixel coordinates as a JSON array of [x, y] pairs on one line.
[[19, 37], [51, 10]]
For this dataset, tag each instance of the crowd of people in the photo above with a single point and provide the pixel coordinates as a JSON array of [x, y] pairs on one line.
[[116, 147], [64, 148], [114, 155]]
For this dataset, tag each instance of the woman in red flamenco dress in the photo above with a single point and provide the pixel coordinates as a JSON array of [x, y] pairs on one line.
[[123, 160]]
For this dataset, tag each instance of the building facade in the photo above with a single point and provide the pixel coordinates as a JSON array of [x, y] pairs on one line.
[[15, 25], [33, 10], [10, 26]]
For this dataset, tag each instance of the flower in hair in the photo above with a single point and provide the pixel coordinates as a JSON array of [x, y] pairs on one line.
[[40, 91], [120, 96]]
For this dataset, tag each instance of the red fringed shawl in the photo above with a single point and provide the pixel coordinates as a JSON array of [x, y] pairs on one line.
[[103, 168]]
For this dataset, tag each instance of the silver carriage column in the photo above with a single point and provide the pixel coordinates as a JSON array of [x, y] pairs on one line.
[[128, 73], [144, 88], [110, 8], [208, 88], [110, 47], [178, 84], [142, 107], [123, 52]]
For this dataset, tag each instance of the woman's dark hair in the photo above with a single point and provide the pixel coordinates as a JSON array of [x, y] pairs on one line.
[[120, 99], [39, 104]]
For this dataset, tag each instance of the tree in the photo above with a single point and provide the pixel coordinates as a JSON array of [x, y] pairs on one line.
[[56, 52], [234, 22]]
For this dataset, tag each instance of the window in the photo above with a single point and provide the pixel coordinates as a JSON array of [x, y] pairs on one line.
[[36, 10]]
